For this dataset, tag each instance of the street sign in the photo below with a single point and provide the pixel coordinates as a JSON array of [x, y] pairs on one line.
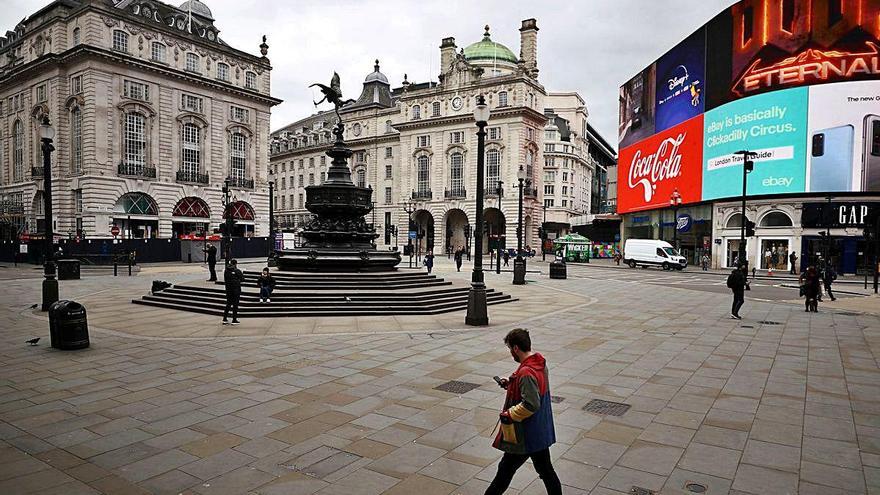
[[413, 234], [22, 248], [115, 230]]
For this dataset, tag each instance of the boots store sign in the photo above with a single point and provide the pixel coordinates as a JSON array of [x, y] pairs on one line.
[[836, 215], [654, 168]]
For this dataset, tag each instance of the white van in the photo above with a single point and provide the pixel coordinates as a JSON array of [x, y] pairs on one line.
[[645, 252]]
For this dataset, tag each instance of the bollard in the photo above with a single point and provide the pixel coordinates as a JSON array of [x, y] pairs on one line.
[[115, 266], [129, 265]]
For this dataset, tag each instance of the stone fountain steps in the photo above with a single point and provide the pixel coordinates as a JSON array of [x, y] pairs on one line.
[[346, 282]]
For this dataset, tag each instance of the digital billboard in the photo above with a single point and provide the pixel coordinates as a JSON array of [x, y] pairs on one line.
[[796, 81]]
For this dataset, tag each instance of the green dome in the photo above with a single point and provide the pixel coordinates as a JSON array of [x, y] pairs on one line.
[[486, 49]]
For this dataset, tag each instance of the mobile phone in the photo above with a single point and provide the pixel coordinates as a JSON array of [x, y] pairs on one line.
[[497, 380], [831, 159], [871, 153]]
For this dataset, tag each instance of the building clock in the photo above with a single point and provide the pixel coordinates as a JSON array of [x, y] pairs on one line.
[[457, 103]]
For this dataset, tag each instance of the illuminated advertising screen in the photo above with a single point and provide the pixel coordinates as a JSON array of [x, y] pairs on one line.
[[795, 81]]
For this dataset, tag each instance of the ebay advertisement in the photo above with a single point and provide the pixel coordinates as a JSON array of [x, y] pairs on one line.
[[651, 170], [773, 125]]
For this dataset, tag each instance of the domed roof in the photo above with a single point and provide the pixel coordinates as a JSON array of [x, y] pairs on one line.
[[376, 75], [198, 8], [486, 49]]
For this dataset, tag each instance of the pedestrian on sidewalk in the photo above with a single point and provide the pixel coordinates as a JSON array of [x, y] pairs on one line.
[[809, 281], [704, 262], [792, 258], [506, 257], [526, 419], [211, 253], [232, 278], [429, 261], [829, 275], [736, 281], [459, 253], [266, 282]]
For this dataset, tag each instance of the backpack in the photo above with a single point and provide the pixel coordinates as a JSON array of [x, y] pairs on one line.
[[731, 280]]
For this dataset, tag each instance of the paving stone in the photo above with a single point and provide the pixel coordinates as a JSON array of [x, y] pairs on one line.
[[667, 435], [721, 437], [711, 460], [838, 477], [406, 460], [755, 479], [676, 484], [623, 479], [595, 452], [450, 471], [170, 482], [217, 464], [769, 431], [155, 465], [772, 455], [362, 482]]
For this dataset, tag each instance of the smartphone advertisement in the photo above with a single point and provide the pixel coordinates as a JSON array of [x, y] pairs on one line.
[[772, 125]]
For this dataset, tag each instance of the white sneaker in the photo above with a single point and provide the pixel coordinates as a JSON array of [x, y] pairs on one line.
[[261, 300], [225, 322], [268, 301]]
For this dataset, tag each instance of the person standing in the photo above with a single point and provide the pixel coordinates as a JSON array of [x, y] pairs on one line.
[[736, 281], [704, 262], [459, 253], [232, 278], [266, 282], [829, 275], [211, 253], [526, 420], [810, 288], [429, 261], [792, 258], [506, 257]]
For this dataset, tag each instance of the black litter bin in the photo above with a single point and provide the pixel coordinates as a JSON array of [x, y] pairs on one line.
[[68, 328], [558, 270], [68, 269]]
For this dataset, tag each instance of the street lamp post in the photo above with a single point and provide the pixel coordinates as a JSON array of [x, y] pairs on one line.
[[519, 263], [409, 206], [675, 202], [544, 240], [499, 189], [477, 313], [748, 165], [50, 284], [227, 231], [468, 232], [271, 261]]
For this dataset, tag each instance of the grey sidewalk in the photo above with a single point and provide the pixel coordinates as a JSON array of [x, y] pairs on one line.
[[781, 402]]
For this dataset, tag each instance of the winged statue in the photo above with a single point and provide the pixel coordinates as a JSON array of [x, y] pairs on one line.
[[332, 94]]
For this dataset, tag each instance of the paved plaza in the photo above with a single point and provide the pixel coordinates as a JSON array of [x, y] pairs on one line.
[[167, 402]]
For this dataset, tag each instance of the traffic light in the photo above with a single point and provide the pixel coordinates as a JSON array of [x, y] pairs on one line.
[[541, 234], [749, 165], [750, 228]]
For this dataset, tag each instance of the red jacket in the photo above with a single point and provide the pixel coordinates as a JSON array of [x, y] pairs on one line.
[[527, 404]]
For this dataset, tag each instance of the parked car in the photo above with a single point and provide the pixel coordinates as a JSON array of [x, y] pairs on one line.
[[652, 252]]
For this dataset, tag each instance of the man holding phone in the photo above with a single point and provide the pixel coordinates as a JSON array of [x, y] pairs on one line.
[[527, 418]]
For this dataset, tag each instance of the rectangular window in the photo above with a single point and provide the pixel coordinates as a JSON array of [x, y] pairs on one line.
[[502, 99], [435, 109], [193, 63], [283, 205], [78, 201], [191, 103], [493, 170], [120, 41], [530, 133], [549, 147], [135, 141], [250, 80], [302, 181], [548, 203], [564, 176], [312, 161], [41, 93], [456, 137], [550, 135], [222, 72], [301, 201], [136, 90], [456, 174], [565, 191], [323, 160], [564, 203], [311, 179], [548, 189], [388, 171], [494, 133], [191, 151], [388, 152], [549, 176], [76, 148], [360, 156], [238, 156], [283, 183], [76, 38], [387, 195], [239, 114], [423, 141], [158, 52], [76, 85], [323, 176]]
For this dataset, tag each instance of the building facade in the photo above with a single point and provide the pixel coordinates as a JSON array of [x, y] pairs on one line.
[[152, 112], [416, 144]]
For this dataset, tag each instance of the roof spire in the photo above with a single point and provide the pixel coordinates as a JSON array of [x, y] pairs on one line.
[[377, 65], [486, 34]]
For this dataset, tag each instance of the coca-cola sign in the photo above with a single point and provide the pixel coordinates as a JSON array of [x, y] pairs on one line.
[[651, 170]]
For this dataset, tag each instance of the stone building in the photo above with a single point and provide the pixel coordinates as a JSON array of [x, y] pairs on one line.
[[152, 111], [417, 143]]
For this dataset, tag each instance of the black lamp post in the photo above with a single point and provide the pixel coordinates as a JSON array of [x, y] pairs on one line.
[[468, 232], [50, 284], [544, 238], [409, 206], [519, 263], [477, 313], [271, 261], [675, 202], [500, 191], [748, 165], [227, 231]]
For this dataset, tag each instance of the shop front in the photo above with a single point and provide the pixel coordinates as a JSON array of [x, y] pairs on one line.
[[845, 247], [690, 228]]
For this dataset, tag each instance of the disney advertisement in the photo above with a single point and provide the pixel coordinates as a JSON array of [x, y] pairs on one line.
[[681, 82]]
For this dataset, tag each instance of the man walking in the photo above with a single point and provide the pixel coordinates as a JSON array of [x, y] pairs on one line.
[[211, 252], [792, 258], [736, 281], [232, 278], [526, 421], [829, 275], [459, 253]]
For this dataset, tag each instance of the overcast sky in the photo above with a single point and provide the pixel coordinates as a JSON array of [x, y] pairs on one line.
[[588, 46]]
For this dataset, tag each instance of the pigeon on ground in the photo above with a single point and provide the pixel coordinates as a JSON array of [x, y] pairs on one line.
[[34, 306], [32, 341]]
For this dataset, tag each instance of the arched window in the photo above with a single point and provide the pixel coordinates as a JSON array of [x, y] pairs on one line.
[[735, 221], [456, 174], [502, 98], [75, 36], [76, 148], [493, 170], [17, 151], [191, 149], [530, 166], [416, 112], [237, 155], [135, 142], [136, 204], [776, 219], [239, 210], [361, 177], [191, 207], [424, 174]]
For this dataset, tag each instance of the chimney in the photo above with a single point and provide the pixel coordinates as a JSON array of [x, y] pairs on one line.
[[447, 54], [528, 46]]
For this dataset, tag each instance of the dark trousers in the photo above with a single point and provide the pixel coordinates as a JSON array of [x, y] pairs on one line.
[[828, 291], [232, 299], [265, 292], [738, 300], [511, 462], [458, 264], [212, 269]]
